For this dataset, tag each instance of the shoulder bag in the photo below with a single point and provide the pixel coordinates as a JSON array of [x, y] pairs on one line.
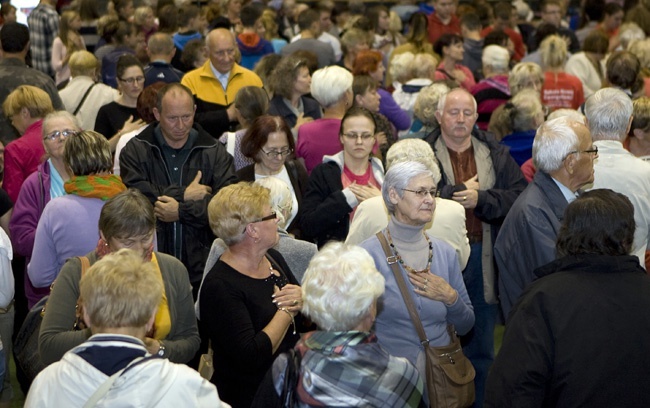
[[449, 374]]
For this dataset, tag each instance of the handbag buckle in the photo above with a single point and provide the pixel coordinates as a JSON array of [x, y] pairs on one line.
[[393, 259], [424, 342]]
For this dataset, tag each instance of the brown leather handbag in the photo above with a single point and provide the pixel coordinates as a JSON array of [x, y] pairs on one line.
[[449, 374]]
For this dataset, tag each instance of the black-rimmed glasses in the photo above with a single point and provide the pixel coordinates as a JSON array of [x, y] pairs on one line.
[[275, 153], [593, 151], [271, 216]]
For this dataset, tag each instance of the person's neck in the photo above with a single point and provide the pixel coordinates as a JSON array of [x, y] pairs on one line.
[[247, 260], [449, 64], [295, 99], [137, 332], [160, 58], [348, 60], [565, 179], [457, 145], [307, 34], [472, 35], [262, 170], [335, 112], [233, 16], [126, 100], [554, 70], [17, 55], [445, 20], [356, 166], [639, 147], [61, 168], [248, 30]]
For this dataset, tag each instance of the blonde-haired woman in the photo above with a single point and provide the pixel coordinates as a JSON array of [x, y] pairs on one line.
[[253, 283], [525, 113], [638, 141], [25, 106], [68, 41], [560, 90]]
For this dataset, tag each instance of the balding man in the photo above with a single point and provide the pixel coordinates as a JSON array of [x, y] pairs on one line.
[[215, 84], [609, 115], [564, 157], [480, 174], [161, 51], [179, 167]]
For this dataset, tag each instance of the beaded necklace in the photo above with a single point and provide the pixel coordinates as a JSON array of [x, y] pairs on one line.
[[401, 261]]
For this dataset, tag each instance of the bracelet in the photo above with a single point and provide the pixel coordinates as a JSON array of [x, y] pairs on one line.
[[293, 322]]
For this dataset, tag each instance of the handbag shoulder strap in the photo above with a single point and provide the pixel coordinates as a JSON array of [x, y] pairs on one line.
[[392, 261], [85, 264], [83, 99]]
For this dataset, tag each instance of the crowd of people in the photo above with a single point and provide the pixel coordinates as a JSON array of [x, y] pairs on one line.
[[275, 186]]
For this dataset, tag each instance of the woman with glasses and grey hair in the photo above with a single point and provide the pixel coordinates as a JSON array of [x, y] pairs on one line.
[[45, 184], [343, 180], [428, 266], [269, 143], [250, 301]]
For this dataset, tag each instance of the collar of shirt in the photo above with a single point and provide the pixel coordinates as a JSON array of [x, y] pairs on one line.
[[566, 192], [223, 78], [157, 132]]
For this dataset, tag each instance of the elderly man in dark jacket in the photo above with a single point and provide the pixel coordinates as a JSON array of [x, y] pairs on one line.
[[564, 156], [179, 167], [480, 174]]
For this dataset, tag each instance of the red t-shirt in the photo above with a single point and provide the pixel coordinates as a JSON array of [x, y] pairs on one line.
[[562, 90], [515, 37], [437, 28]]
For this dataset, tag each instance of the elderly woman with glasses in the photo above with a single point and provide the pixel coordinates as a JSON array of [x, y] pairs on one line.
[[269, 143], [250, 301], [343, 180], [45, 184], [428, 265]]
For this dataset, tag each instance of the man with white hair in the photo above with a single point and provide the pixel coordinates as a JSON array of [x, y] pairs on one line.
[[448, 222], [609, 116], [480, 174], [564, 157]]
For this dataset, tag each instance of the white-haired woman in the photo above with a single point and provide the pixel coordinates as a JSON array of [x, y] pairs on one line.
[[429, 266], [493, 91], [340, 292], [332, 89], [525, 114], [424, 111], [560, 90], [411, 75], [342, 181], [449, 221]]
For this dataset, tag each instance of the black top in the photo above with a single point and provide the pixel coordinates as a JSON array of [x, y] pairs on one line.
[[5, 202], [111, 118], [235, 309]]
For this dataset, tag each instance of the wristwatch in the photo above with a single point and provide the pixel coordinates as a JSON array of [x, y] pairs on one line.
[[161, 349]]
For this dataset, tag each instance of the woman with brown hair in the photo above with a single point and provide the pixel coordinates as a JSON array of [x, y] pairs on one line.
[[269, 143], [68, 41]]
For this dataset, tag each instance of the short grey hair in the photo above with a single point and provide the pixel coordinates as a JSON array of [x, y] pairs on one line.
[[401, 67], [424, 66], [497, 57], [329, 84], [340, 286], [554, 140], [427, 102], [281, 198], [527, 106], [414, 150], [608, 113], [61, 115], [570, 113], [398, 177], [629, 34], [443, 99]]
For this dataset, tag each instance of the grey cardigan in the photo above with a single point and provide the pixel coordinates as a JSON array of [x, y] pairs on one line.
[[57, 337]]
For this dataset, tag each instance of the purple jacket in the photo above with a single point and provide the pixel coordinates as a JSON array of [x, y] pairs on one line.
[[34, 194], [60, 235], [389, 108]]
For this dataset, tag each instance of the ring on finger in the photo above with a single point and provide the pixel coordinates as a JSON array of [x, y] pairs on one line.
[[464, 198], [295, 302]]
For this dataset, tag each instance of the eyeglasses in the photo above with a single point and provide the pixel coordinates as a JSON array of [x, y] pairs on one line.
[[422, 193], [355, 137], [593, 151], [131, 81], [60, 134], [275, 153], [272, 216]]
